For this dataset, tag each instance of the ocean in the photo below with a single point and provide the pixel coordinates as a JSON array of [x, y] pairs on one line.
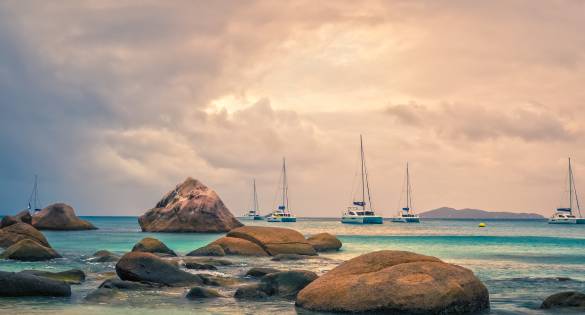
[[520, 261]]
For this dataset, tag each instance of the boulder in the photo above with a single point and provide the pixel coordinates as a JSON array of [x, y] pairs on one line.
[[239, 246], [275, 240], [106, 296], [284, 284], [324, 242], [72, 276], [199, 266], [190, 207], [152, 245], [24, 216], [209, 261], [23, 284], [209, 250], [61, 217], [250, 292], [118, 284], [202, 293], [104, 256], [396, 282], [7, 221], [570, 299], [218, 281], [147, 267], [19, 231], [29, 250], [259, 272]]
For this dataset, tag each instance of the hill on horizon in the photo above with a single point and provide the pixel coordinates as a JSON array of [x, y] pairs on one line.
[[452, 213]]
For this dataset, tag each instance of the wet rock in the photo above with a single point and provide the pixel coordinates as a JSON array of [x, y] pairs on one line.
[[198, 266], [285, 257], [60, 216], [29, 250], [238, 246], [250, 292], [22, 284], [7, 221], [127, 285], [570, 299], [19, 231], [218, 281], [209, 250], [24, 216], [210, 261], [190, 207], [260, 272], [324, 242], [104, 256], [152, 245], [147, 267], [105, 296], [287, 284], [396, 282], [275, 240], [72, 276], [202, 293]]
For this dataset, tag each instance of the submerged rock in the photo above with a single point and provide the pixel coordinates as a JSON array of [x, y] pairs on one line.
[[19, 231], [275, 240], [199, 266], [104, 256], [152, 245], [72, 276], [284, 284], [202, 293], [259, 272], [29, 250], [23, 284], [285, 257], [60, 216], [324, 242], [105, 296], [396, 282], [190, 207], [138, 266], [210, 261], [250, 292], [209, 250], [114, 283], [570, 299]]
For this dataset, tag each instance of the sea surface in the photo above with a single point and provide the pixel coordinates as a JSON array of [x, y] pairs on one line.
[[521, 263]]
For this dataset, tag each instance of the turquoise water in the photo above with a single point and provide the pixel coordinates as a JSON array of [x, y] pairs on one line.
[[521, 262]]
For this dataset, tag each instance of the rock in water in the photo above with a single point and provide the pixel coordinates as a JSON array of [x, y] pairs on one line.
[[24, 216], [209, 250], [239, 246], [571, 299], [396, 282], [72, 276], [61, 217], [324, 242], [259, 272], [152, 245], [284, 284], [275, 240], [190, 207], [21, 231], [22, 284], [104, 256], [202, 293], [147, 267], [29, 250]]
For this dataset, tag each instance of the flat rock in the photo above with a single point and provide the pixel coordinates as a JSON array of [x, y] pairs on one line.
[[104, 256], [396, 282], [61, 217], [259, 272], [152, 245], [570, 299], [29, 250], [275, 240], [72, 276], [209, 250], [22, 284], [147, 267], [190, 207], [19, 231], [323, 242], [202, 293]]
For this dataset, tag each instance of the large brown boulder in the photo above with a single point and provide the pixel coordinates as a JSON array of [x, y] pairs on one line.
[[284, 284], [190, 207], [324, 242], [152, 245], [104, 256], [23, 284], [60, 216], [29, 250], [239, 246], [208, 250], [571, 299], [23, 216], [396, 282], [275, 240], [19, 231], [147, 267]]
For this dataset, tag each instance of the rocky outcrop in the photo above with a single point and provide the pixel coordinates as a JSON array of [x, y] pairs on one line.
[[154, 246], [209, 250], [19, 231], [190, 207], [60, 217], [7, 221], [259, 272], [275, 240], [29, 250], [573, 300], [197, 293], [23, 284], [396, 282], [23, 216], [147, 267], [72, 276], [104, 256], [285, 284], [324, 242]]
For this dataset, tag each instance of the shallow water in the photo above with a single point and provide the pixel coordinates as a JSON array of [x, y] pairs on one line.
[[519, 261]]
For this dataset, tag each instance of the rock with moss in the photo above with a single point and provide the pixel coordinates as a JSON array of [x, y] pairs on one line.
[[72, 276]]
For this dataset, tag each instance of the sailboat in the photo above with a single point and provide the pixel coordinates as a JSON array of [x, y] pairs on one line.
[[33, 201], [253, 213], [407, 215], [282, 214], [361, 212], [566, 215]]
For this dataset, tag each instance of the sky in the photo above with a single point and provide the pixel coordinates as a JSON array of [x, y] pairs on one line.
[[113, 103]]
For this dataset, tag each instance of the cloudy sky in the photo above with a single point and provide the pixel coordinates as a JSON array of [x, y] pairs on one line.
[[112, 103]]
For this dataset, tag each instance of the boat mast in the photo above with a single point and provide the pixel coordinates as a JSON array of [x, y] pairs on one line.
[[363, 174], [34, 196], [255, 198], [570, 186], [408, 203], [284, 186]]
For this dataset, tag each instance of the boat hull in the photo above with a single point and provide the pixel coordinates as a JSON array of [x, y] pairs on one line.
[[406, 220], [566, 221], [252, 218], [362, 219], [270, 219]]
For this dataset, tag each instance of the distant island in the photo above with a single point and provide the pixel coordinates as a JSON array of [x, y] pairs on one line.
[[451, 213]]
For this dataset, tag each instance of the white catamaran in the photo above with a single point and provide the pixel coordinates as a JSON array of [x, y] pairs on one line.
[[33, 201], [282, 214], [253, 213], [566, 215], [407, 215], [361, 212]]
